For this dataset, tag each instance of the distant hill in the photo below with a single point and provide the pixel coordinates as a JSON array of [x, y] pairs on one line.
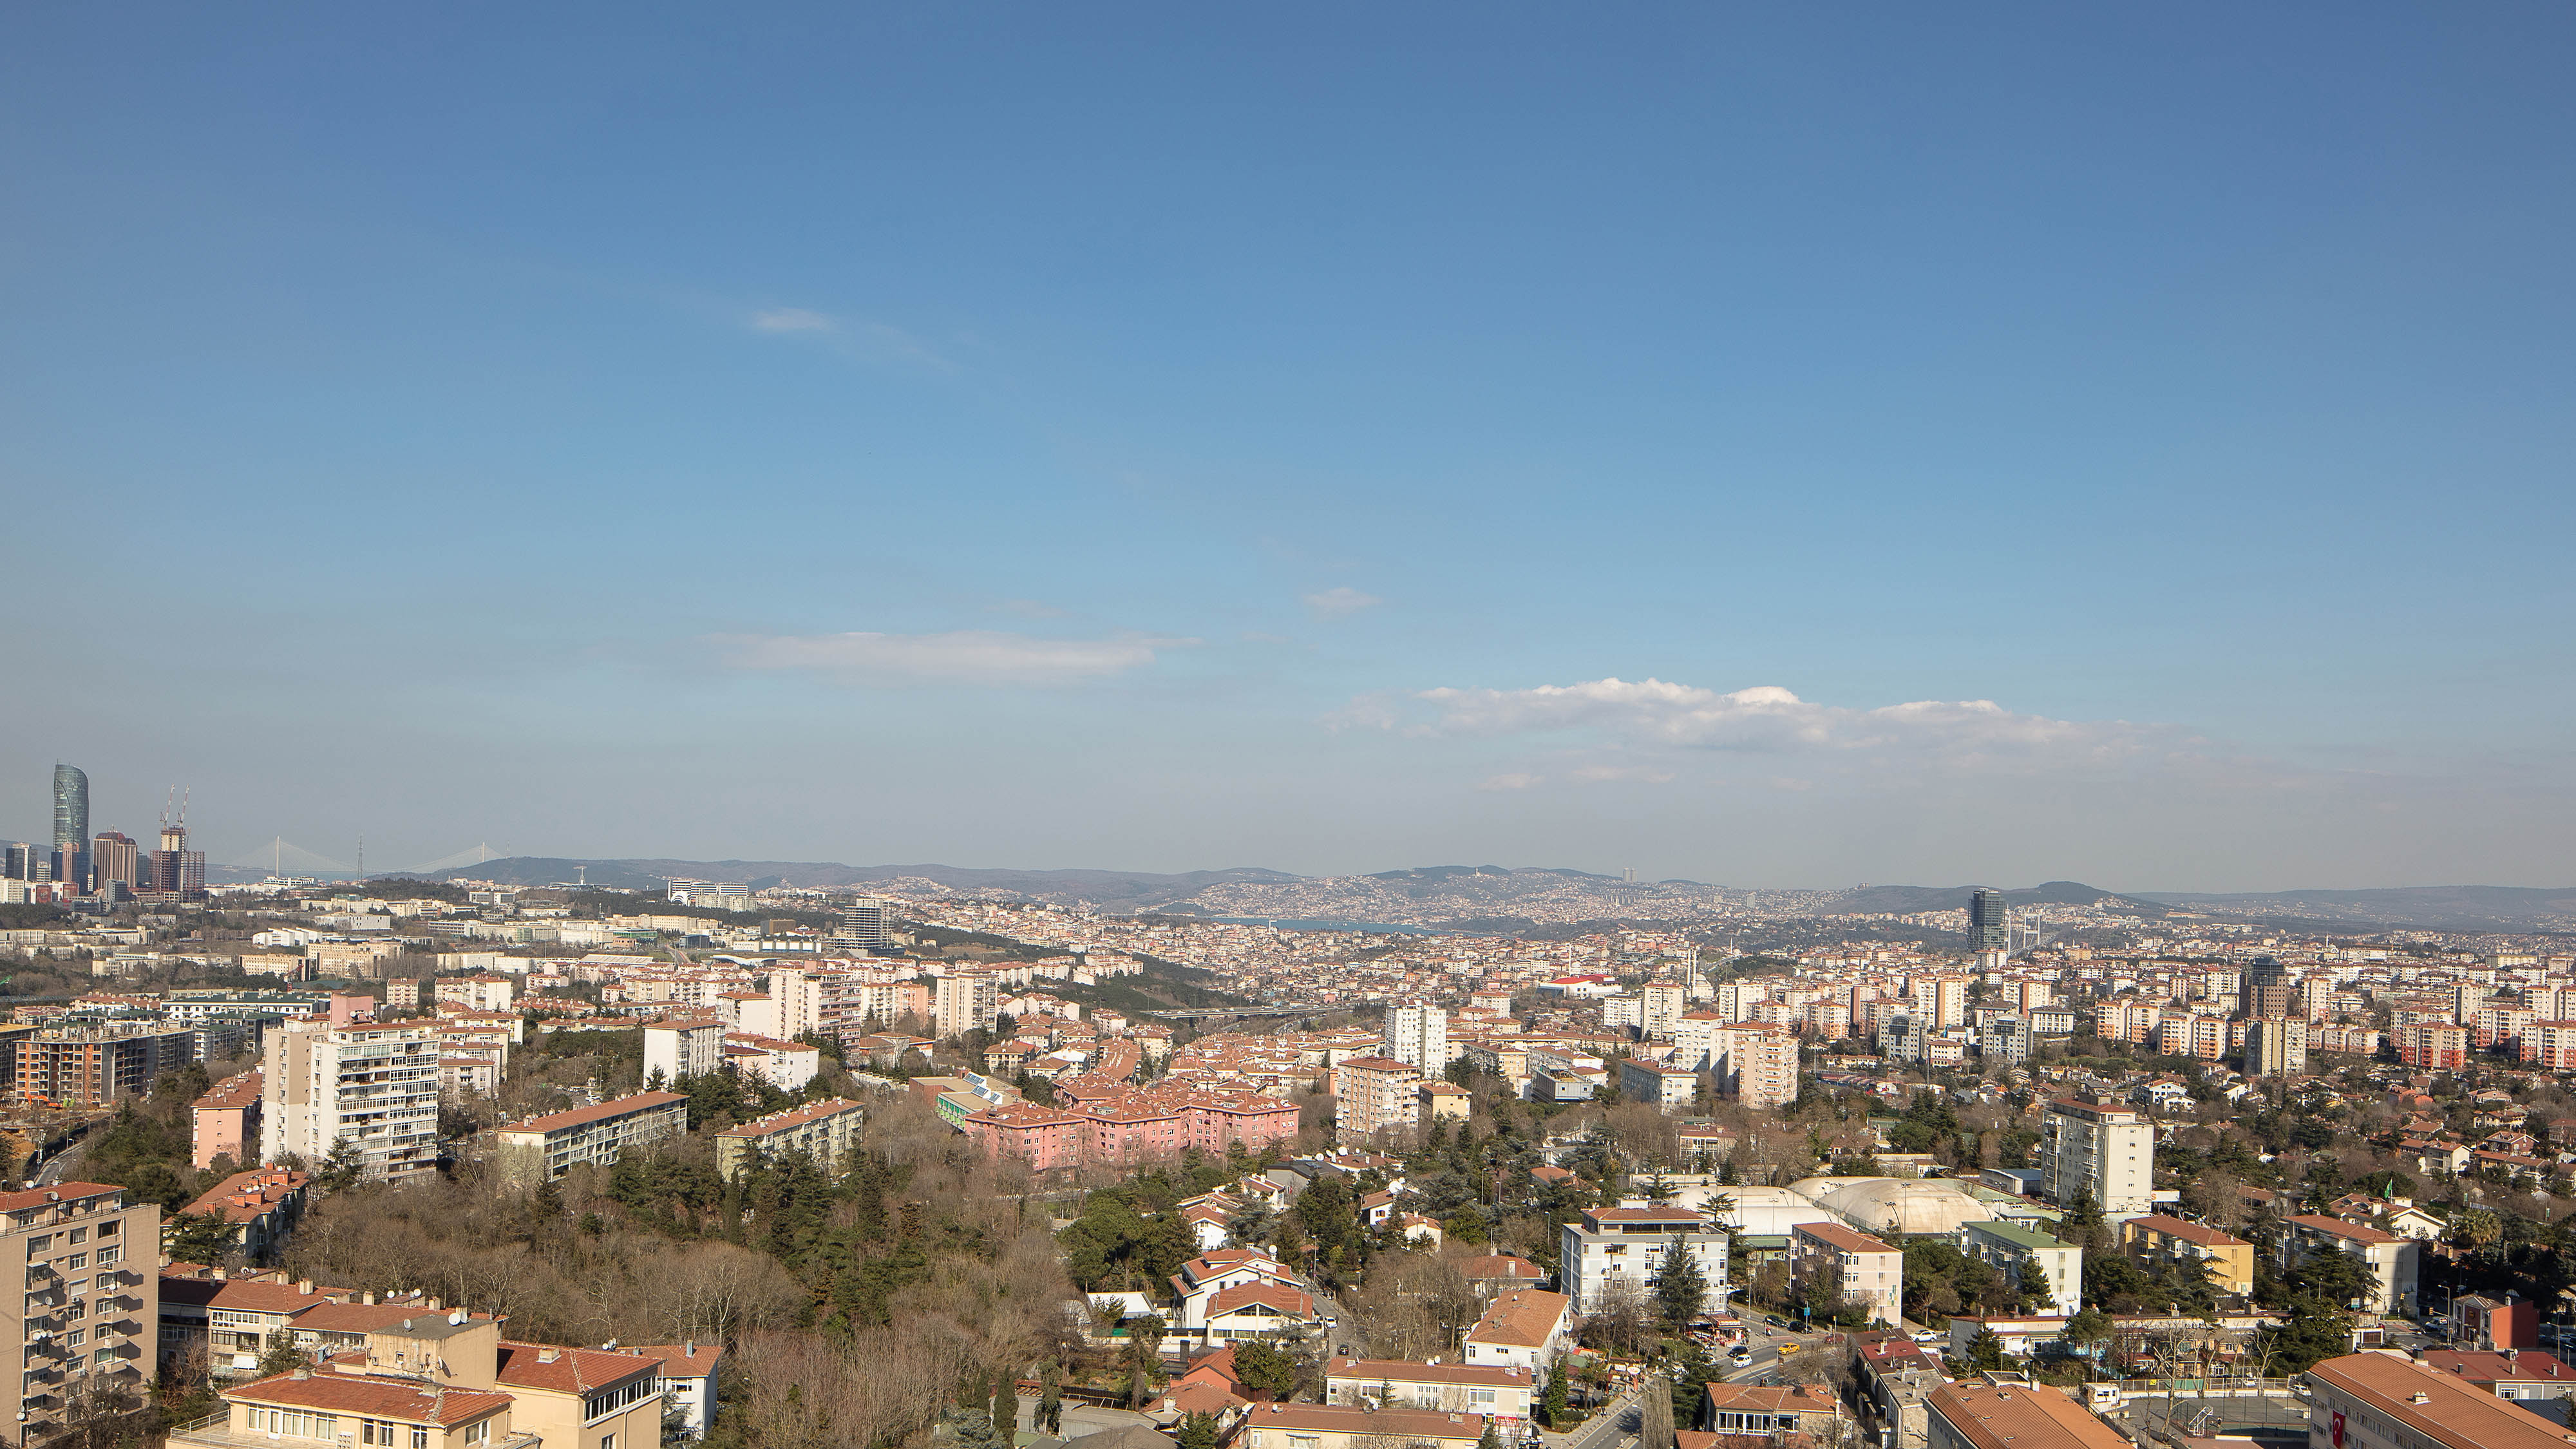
[[1111, 889], [2436, 908], [1896, 900]]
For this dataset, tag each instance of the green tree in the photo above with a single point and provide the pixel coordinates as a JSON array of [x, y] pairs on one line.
[[1487, 1440], [1261, 1368], [1051, 1399], [1196, 1431], [200, 1238], [1680, 1287], [1985, 1351], [1552, 1408], [281, 1355], [2088, 1330], [341, 1170]]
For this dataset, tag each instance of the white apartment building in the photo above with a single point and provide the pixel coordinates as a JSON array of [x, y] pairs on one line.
[[689, 1048], [799, 995], [1418, 1035], [964, 1000], [2276, 1048], [375, 1087], [482, 991], [1663, 1003], [2034, 1260], [2394, 1262], [1872, 1271], [1614, 1244], [2105, 1151], [1371, 1095], [1758, 1064], [542, 1147]]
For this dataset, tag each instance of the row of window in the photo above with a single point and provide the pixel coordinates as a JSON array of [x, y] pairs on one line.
[[43, 1243], [599, 1405]]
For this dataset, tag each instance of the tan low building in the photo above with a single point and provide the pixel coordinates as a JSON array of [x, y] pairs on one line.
[[2157, 1241], [2014, 1416], [446, 1381], [1333, 1426], [2381, 1401]]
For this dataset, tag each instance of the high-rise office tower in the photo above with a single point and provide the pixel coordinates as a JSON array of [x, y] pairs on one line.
[[1989, 923], [115, 859], [71, 826], [1418, 1036], [865, 923], [22, 862], [71, 807], [2265, 992], [176, 868]]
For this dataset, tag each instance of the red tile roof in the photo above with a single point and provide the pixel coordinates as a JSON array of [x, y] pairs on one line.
[[18, 1202], [682, 1360], [583, 1116], [375, 1396], [239, 1090], [574, 1370]]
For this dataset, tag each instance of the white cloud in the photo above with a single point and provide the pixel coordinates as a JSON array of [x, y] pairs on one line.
[[792, 319], [963, 656], [1517, 780], [1770, 719], [1611, 774], [878, 343], [1341, 603]]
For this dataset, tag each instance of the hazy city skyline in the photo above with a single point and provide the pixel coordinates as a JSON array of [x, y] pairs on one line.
[[1776, 450]]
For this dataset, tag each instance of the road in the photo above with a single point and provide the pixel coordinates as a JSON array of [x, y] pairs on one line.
[[1615, 1427]]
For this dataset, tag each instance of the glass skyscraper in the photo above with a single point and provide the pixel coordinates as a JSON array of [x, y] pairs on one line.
[[1989, 923], [71, 826], [71, 808]]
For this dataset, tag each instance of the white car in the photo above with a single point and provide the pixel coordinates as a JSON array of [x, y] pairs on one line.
[[1931, 1335]]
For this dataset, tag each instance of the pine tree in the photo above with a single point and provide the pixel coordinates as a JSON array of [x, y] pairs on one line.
[[1552, 1410], [1680, 1286]]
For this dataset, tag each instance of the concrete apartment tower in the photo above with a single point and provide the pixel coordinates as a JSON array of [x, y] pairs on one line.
[[1418, 1035], [375, 1087], [2105, 1151]]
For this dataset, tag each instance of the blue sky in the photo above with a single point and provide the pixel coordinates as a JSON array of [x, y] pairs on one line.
[[2017, 442]]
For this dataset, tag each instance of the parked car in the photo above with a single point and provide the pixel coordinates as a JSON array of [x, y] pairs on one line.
[[1931, 1335]]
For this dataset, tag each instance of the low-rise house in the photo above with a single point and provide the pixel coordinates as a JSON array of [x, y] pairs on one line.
[[1258, 1310], [2515, 1373], [1333, 1426], [2014, 1415], [2021, 1337], [258, 1207], [1767, 1410], [687, 1382], [2157, 1241], [1499, 1393], [2393, 1261], [1522, 1328]]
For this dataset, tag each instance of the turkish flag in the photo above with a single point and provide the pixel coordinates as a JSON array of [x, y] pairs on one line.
[[2338, 1429]]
